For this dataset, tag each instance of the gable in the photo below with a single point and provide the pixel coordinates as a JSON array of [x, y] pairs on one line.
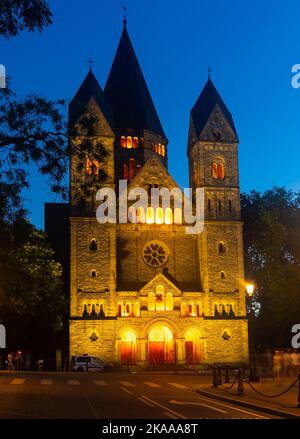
[[157, 281], [217, 128]]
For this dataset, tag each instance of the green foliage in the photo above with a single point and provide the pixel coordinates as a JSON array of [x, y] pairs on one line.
[[272, 260], [19, 15]]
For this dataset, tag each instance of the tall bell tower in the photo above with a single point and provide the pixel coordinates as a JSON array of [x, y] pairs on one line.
[[213, 165]]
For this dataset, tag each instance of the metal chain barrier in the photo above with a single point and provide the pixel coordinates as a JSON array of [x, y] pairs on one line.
[[230, 387], [277, 394]]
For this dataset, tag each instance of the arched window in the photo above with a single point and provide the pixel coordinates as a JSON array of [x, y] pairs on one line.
[[150, 215], [129, 142], [177, 215], [128, 308], [140, 215], [168, 216], [125, 171], [230, 206], [120, 310], [163, 150], [92, 167], [169, 301], [199, 311], [222, 248], [138, 167], [221, 171], [123, 142], [220, 205], [135, 143], [223, 275], [131, 173], [214, 170], [93, 274], [93, 245], [190, 309], [159, 216]]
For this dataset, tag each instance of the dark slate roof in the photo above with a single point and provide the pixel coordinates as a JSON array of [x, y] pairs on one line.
[[88, 89], [127, 91], [204, 106]]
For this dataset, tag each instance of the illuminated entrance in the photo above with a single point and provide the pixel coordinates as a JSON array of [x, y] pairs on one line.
[[128, 348], [160, 345], [194, 347]]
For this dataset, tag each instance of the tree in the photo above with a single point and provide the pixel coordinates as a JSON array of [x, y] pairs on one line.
[[31, 300], [19, 15], [272, 260]]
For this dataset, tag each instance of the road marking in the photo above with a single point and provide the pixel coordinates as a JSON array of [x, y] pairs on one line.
[[73, 383], [173, 401], [18, 381], [234, 408], [100, 383], [46, 382], [150, 384], [126, 390], [127, 384], [146, 402], [178, 415], [179, 386]]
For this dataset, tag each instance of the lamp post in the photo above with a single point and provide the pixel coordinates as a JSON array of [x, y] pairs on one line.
[[253, 372]]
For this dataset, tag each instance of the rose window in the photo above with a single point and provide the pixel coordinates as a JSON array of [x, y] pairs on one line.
[[155, 254]]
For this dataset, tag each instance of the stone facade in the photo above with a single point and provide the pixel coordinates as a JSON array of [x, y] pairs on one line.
[[148, 292]]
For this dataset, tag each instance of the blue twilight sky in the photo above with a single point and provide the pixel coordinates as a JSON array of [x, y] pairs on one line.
[[251, 46]]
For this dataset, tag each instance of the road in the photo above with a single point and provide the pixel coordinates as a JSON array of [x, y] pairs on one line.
[[26, 395]]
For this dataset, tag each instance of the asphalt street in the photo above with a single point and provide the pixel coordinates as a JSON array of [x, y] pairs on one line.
[[26, 395]]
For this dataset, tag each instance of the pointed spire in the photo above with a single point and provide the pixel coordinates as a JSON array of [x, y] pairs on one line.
[[89, 89], [125, 15], [127, 91], [205, 105]]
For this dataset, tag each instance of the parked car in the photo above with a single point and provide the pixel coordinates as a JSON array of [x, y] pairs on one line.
[[89, 363]]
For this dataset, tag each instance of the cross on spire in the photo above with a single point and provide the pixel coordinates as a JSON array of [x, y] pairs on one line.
[[125, 14], [90, 61], [209, 70]]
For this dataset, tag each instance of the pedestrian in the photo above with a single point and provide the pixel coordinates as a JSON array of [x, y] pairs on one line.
[[40, 364]]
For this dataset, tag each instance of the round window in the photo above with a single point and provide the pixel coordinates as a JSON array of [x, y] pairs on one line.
[[155, 253]]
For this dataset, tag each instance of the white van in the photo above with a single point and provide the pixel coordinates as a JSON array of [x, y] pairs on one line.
[[87, 363]]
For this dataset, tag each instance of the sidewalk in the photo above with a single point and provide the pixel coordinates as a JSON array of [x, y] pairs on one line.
[[285, 405]]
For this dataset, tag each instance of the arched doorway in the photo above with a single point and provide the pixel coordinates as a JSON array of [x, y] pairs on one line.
[[128, 348], [160, 345], [194, 346]]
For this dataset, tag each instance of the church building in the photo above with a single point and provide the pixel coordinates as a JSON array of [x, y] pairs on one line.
[[146, 292]]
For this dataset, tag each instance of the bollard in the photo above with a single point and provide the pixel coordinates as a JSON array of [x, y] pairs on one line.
[[227, 379], [240, 388], [298, 406], [219, 375], [215, 382]]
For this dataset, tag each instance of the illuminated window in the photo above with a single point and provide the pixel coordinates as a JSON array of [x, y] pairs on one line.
[[125, 171], [129, 142], [214, 170], [159, 216], [120, 310], [222, 248], [150, 215], [168, 216], [123, 142], [92, 167], [221, 171], [177, 215], [93, 245], [169, 302], [131, 172], [140, 215], [163, 150], [135, 143]]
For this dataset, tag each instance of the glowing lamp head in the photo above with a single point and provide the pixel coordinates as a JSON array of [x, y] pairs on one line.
[[250, 289]]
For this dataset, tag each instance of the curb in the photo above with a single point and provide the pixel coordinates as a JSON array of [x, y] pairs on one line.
[[249, 405]]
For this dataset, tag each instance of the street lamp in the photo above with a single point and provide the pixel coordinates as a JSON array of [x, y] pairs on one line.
[[253, 372]]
